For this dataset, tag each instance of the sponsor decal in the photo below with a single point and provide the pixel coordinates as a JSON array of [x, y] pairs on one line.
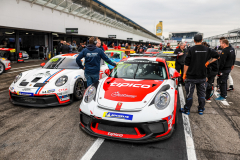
[[170, 118], [47, 74], [130, 85], [118, 115], [49, 91], [62, 90], [117, 94], [11, 88], [115, 134], [26, 89], [62, 93], [64, 98], [76, 77], [25, 94]]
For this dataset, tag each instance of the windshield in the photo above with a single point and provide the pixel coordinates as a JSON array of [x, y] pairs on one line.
[[167, 58], [4, 54], [61, 63], [140, 70], [152, 50], [114, 55]]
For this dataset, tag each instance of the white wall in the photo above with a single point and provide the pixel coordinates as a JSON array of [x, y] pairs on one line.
[[22, 15]]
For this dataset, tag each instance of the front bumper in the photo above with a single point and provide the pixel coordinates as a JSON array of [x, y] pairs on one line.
[[129, 132], [38, 101]]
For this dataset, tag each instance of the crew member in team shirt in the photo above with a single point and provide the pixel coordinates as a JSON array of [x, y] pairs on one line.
[[196, 62], [226, 64]]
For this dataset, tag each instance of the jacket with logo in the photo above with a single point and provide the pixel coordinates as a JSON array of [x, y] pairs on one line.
[[227, 59], [197, 56], [93, 56]]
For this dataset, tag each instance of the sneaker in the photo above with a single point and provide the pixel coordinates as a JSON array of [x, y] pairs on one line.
[[185, 111], [208, 100], [230, 88], [200, 111], [218, 90], [220, 98]]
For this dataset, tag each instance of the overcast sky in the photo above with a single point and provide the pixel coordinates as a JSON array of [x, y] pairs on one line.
[[210, 17]]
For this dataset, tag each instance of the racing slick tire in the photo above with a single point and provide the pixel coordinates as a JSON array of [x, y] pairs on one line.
[[79, 89], [2, 68]]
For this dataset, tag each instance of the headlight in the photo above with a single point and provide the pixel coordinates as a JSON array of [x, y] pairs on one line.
[[90, 93], [61, 81], [17, 77], [162, 100]]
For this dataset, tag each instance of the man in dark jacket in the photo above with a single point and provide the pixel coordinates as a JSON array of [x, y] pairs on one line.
[[198, 58], [99, 45], [226, 64], [93, 56], [64, 48], [180, 60], [167, 48]]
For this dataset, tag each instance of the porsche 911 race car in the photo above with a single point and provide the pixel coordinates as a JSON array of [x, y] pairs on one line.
[[136, 103], [58, 82], [114, 56], [5, 64]]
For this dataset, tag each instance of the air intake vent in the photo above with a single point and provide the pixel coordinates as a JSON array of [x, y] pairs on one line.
[[36, 79], [39, 84], [23, 83]]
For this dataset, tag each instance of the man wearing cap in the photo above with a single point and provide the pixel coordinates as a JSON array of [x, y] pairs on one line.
[[195, 73]]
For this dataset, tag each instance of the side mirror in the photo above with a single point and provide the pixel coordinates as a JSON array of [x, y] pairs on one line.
[[42, 64], [107, 72], [176, 74]]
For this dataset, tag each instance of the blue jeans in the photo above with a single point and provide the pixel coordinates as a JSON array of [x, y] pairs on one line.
[[91, 78]]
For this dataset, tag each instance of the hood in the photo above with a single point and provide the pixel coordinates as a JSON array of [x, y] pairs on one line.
[[42, 75], [91, 47], [133, 94]]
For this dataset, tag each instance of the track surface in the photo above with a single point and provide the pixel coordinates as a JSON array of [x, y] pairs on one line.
[[53, 133]]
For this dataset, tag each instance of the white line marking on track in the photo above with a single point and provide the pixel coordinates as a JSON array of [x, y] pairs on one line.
[[24, 67], [92, 150], [191, 154], [217, 95]]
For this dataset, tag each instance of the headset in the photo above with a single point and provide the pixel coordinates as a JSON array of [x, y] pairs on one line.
[[95, 40]]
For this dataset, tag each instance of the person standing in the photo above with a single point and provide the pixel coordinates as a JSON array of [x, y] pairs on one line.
[[180, 60], [59, 47], [167, 48], [212, 71], [226, 64], [104, 46], [70, 47], [99, 45], [93, 56], [64, 48], [198, 58]]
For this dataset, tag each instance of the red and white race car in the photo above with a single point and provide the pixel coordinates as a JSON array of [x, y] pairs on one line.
[[137, 102]]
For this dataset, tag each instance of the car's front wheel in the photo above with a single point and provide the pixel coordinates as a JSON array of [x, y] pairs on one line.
[[79, 89], [2, 68]]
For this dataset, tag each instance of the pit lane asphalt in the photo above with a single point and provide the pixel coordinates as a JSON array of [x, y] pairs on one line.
[[53, 133]]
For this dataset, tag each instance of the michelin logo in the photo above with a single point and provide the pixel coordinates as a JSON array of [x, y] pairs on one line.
[[118, 115], [25, 94], [91, 54]]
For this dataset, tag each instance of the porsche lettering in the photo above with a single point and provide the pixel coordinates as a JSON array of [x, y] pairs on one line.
[[130, 85]]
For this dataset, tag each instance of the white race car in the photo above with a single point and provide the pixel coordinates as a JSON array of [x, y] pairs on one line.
[[5, 64], [136, 103], [25, 54], [58, 82]]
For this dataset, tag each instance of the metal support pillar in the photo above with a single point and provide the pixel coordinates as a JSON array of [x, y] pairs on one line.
[[50, 43], [17, 45]]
